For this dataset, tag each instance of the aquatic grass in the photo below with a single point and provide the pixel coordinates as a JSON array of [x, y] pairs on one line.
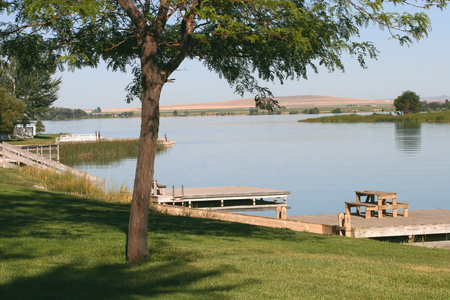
[[103, 151], [435, 117]]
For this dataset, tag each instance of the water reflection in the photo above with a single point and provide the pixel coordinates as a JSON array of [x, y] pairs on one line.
[[105, 162], [320, 164], [408, 137]]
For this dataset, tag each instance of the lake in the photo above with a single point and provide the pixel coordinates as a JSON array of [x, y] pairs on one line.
[[322, 165]]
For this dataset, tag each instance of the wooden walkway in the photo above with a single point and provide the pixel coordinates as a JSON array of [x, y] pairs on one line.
[[225, 198], [11, 155], [419, 222]]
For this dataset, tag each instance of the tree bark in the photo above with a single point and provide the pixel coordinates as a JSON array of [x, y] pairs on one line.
[[153, 80]]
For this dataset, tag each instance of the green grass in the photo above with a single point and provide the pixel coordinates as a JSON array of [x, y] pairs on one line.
[[60, 246], [439, 117], [41, 139]]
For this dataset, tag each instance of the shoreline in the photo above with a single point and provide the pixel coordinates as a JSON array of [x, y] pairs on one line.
[[246, 103]]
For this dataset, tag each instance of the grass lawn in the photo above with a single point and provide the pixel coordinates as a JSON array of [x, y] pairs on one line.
[[61, 246], [41, 139]]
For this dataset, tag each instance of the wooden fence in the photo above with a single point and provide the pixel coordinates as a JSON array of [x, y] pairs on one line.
[[15, 155], [47, 151]]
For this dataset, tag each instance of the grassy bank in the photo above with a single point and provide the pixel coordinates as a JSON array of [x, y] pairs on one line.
[[440, 117], [100, 152], [41, 139], [60, 246], [71, 184]]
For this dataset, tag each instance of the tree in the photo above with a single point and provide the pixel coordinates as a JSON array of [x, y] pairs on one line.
[[240, 40], [312, 111], [407, 103], [253, 110], [11, 111], [26, 73], [40, 127]]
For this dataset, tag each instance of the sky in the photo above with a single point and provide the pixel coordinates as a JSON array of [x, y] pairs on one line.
[[423, 67]]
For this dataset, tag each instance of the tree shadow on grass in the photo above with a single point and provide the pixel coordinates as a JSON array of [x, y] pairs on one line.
[[27, 211], [23, 211], [159, 222], [122, 281]]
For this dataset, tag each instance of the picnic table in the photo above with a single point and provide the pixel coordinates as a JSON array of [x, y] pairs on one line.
[[376, 201]]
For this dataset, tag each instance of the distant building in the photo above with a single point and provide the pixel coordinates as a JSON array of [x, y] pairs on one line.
[[20, 132]]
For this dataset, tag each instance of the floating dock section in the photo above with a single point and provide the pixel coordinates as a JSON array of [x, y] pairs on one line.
[[222, 198], [419, 222]]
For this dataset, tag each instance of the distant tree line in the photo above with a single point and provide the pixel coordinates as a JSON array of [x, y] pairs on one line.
[[312, 111], [435, 106], [61, 113], [126, 114], [409, 102]]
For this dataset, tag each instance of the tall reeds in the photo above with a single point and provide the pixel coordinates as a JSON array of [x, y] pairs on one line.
[[69, 183], [104, 151], [439, 117]]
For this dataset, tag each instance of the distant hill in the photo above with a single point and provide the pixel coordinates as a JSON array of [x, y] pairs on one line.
[[436, 98], [287, 101]]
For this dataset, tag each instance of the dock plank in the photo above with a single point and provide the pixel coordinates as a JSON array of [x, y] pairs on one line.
[[228, 192]]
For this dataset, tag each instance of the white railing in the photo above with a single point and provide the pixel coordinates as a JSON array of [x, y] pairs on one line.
[[77, 138]]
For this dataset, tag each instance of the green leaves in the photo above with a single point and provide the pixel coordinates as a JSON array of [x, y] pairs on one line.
[[241, 40], [407, 103], [11, 111]]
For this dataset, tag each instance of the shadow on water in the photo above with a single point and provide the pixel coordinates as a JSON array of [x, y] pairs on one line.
[[408, 137]]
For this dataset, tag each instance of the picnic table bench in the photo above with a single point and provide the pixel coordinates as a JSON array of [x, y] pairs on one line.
[[376, 201]]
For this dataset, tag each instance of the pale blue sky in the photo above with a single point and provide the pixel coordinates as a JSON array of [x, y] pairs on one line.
[[423, 68]]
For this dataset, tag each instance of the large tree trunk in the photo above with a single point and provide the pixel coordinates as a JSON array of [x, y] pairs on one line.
[[152, 83]]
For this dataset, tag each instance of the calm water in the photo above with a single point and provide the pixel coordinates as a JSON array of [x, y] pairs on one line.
[[320, 164]]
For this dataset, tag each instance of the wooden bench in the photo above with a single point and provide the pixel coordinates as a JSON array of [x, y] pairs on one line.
[[369, 208], [394, 207]]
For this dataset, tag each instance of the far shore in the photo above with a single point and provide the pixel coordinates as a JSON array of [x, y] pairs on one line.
[[286, 101]]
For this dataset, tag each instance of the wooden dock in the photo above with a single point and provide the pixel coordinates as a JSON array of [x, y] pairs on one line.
[[223, 198], [419, 222]]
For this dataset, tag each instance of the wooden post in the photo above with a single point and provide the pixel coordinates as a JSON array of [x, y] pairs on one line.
[[341, 223], [173, 195], [57, 152], [50, 152], [182, 195], [347, 225], [278, 212], [284, 212], [281, 212]]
